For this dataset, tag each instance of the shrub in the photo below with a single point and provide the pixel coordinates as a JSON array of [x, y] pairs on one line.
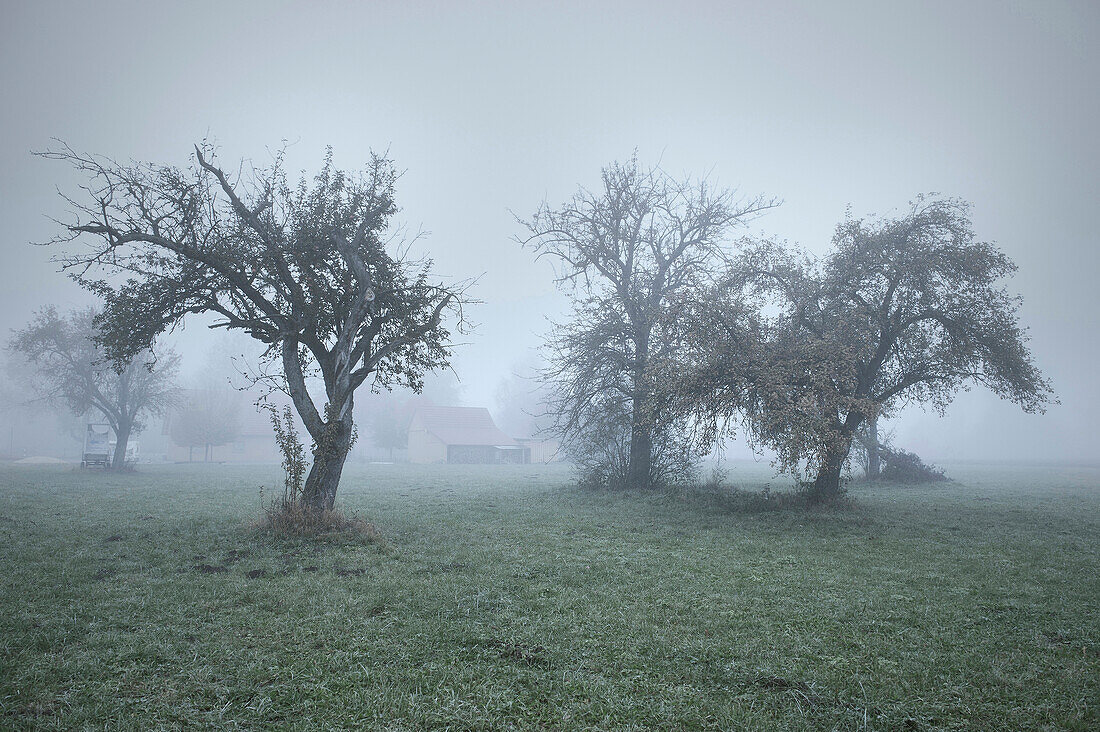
[[294, 519], [907, 467], [601, 451], [293, 451]]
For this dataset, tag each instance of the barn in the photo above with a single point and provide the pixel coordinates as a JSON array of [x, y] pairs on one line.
[[460, 435]]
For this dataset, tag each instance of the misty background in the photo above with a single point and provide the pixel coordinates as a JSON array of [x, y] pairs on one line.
[[493, 107]]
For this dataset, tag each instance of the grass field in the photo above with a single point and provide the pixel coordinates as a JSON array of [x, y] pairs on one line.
[[504, 598]]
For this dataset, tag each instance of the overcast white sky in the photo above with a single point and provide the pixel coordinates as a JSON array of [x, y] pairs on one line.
[[492, 107]]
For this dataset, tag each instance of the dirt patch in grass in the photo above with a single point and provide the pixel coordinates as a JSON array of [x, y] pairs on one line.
[[356, 572], [1056, 638], [532, 655], [210, 568], [235, 555], [799, 688]]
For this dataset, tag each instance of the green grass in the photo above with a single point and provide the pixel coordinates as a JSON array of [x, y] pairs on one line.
[[504, 598]]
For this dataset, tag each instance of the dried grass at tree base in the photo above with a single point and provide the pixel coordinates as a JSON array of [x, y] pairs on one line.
[[289, 515], [294, 519]]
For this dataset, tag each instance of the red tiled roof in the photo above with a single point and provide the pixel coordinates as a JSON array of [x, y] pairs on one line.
[[462, 426]]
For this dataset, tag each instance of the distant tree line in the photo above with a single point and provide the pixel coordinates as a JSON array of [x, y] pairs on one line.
[[206, 418]]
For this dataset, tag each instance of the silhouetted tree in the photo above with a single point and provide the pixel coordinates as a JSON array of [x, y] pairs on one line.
[[68, 367], [625, 252], [305, 270], [902, 308], [389, 424], [870, 447], [210, 417], [524, 401]]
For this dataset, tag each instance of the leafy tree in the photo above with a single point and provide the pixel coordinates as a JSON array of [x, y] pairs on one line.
[[907, 309], [70, 368], [303, 269], [389, 424], [209, 417], [625, 252]]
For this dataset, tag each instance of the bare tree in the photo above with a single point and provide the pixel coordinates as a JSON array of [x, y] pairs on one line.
[[524, 401], [625, 253], [305, 270], [69, 368], [873, 448], [903, 310], [389, 423], [870, 444]]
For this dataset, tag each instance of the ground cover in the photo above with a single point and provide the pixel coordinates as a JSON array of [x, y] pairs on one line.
[[502, 597]]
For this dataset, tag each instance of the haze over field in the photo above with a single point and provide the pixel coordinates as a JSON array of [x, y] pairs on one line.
[[493, 107]]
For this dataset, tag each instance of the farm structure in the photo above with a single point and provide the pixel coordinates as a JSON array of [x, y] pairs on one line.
[[540, 449], [461, 435]]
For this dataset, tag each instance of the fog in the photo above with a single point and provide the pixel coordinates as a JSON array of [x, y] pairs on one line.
[[491, 108]]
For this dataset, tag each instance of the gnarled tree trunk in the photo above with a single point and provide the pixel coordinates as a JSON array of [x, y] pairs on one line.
[[639, 472], [826, 487], [332, 435], [329, 454], [641, 455]]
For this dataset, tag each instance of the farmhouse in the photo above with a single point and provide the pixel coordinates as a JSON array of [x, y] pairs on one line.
[[460, 435]]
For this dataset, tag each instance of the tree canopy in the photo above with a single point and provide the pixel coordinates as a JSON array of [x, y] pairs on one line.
[[69, 368], [625, 252], [308, 270], [902, 310]]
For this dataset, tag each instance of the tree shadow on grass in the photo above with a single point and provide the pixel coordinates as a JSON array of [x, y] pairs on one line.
[[720, 498]]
